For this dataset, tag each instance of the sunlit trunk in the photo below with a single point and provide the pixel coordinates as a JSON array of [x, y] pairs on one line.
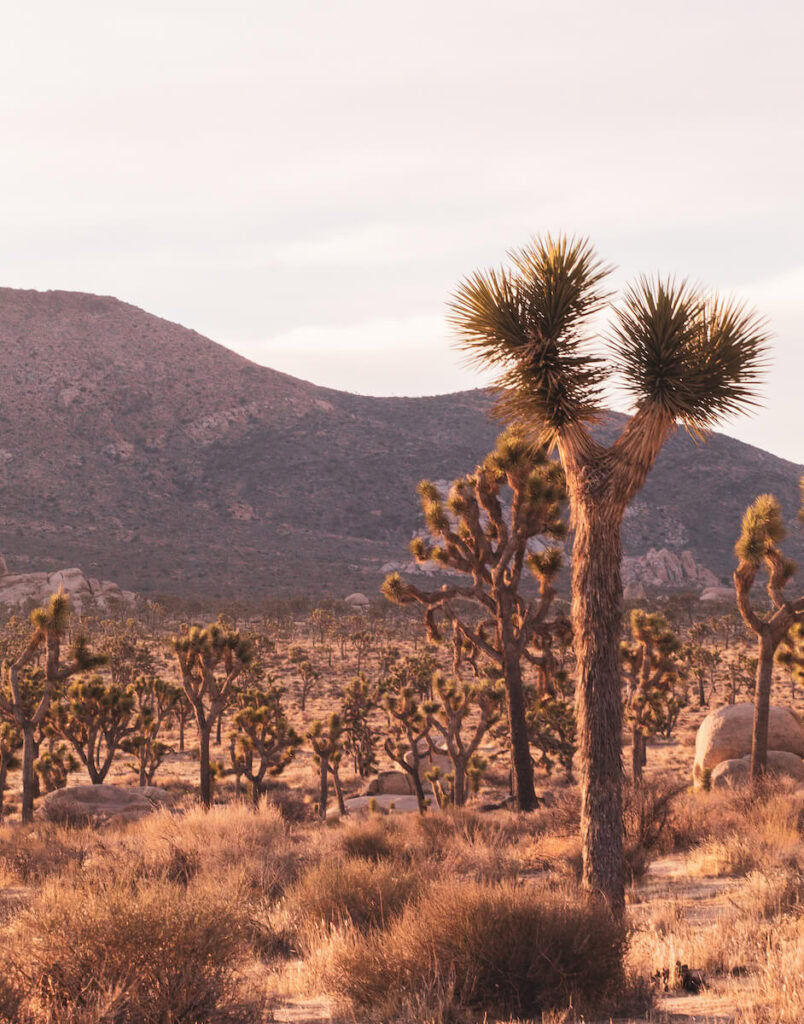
[[596, 619], [762, 690]]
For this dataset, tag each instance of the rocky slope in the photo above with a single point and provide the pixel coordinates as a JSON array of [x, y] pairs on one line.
[[145, 453]]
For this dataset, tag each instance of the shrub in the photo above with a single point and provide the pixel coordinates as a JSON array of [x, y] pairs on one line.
[[503, 949], [149, 952], [357, 892]]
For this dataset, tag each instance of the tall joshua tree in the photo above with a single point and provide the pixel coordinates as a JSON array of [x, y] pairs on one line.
[[477, 536], [686, 358], [762, 530], [210, 661], [28, 706]]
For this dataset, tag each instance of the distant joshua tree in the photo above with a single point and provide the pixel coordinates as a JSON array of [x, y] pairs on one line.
[[27, 705], [327, 743], [476, 535], [155, 703], [262, 741], [210, 661], [461, 715], [94, 717], [686, 358], [762, 530], [651, 668]]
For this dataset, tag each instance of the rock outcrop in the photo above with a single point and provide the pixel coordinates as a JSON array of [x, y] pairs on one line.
[[20, 589], [665, 569], [725, 735], [97, 805]]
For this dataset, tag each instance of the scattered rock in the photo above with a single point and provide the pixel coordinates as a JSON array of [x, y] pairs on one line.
[[725, 735], [97, 805]]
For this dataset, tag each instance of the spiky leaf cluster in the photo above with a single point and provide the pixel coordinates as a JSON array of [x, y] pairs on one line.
[[688, 356]]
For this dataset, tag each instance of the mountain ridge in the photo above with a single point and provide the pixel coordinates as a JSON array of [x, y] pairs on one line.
[[148, 454]]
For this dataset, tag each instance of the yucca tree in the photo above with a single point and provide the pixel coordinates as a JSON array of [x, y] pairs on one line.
[[263, 741], [327, 743], [684, 357], [651, 668], [762, 530], [484, 531], [449, 716], [94, 716], [210, 661], [28, 706]]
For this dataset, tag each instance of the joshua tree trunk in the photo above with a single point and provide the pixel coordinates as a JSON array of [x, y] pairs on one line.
[[28, 755], [256, 789], [759, 740], [596, 619], [521, 761], [637, 755], [181, 734], [323, 789], [204, 736], [143, 771], [339, 793]]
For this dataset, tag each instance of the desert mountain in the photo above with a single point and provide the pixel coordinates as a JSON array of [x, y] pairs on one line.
[[145, 453]]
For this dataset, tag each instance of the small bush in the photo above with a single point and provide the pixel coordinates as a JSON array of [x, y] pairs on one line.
[[370, 839], [502, 949]]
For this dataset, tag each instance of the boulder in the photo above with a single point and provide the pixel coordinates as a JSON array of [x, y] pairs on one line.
[[429, 760], [389, 783], [737, 771], [725, 735], [721, 594], [357, 600], [97, 805]]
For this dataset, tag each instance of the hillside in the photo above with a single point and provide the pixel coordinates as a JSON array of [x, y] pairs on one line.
[[145, 453]]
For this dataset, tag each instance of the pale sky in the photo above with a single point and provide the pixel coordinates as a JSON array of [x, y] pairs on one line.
[[306, 182]]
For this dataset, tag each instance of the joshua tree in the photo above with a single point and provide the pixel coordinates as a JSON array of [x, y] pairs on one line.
[[327, 744], [686, 359], [210, 661], [93, 717], [263, 740], [309, 677], [416, 670], [448, 715], [360, 740], [54, 766], [10, 744], [27, 705], [155, 703], [407, 739], [650, 667], [762, 530], [475, 535], [552, 729]]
